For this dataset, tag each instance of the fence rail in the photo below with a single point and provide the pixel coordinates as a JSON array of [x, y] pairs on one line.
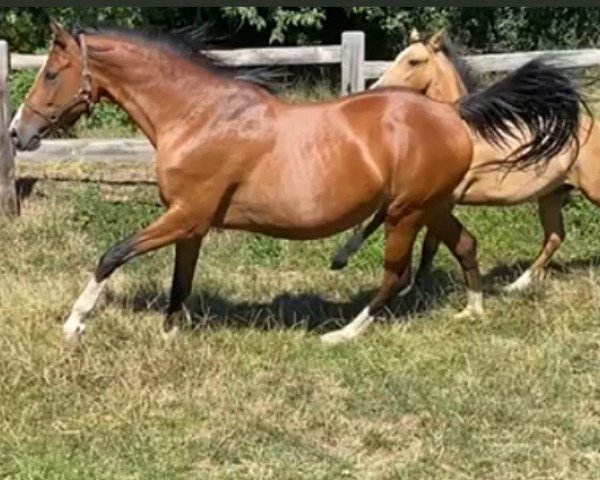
[[351, 50], [349, 55], [324, 54]]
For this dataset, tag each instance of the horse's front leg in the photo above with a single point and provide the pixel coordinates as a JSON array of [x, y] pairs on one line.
[[550, 213], [187, 220], [172, 226], [186, 258]]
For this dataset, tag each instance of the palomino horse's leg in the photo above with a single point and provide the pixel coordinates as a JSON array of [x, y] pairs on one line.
[[463, 246], [400, 238], [340, 259], [170, 227], [186, 257], [550, 213], [430, 247]]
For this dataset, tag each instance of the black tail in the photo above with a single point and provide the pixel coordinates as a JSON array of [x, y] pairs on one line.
[[537, 99]]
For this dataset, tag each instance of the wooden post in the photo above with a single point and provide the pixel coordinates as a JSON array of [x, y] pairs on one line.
[[353, 61], [9, 202]]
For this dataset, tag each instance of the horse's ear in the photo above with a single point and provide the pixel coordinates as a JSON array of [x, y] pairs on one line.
[[414, 36], [59, 32], [437, 39]]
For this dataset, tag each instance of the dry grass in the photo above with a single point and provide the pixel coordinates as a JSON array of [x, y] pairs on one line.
[[252, 394]]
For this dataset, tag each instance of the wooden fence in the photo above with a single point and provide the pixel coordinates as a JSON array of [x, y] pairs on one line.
[[349, 54]]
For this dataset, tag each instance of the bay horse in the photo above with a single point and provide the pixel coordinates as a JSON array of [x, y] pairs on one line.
[[430, 65], [231, 155]]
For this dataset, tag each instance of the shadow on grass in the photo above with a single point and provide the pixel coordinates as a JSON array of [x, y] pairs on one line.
[[24, 187], [308, 311], [312, 311], [503, 274]]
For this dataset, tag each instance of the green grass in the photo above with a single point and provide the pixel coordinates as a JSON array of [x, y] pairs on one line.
[[252, 394]]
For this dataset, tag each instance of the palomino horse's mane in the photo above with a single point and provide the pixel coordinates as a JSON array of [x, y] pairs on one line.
[[190, 44], [462, 67]]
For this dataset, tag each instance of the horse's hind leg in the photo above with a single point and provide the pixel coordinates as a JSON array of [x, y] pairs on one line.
[[550, 213], [429, 250], [463, 246], [400, 238], [341, 257]]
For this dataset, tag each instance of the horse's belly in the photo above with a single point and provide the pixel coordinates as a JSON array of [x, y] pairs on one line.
[[304, 208], [491, 190], [288, 216]]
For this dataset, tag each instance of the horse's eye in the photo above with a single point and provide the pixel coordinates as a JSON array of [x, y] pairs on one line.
[[413, 62], [51, 75]]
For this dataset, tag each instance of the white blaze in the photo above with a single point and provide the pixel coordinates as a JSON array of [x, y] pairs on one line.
[[16, 119]]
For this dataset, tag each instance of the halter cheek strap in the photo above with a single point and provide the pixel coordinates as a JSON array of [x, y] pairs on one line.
[[83, 96]]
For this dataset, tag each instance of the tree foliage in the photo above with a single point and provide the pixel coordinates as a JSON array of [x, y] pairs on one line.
[[491, 29]]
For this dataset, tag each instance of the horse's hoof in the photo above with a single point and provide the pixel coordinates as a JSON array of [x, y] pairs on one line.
[[469, 313], [170, 335], [339, 263], [73, 333], [521, 283], [335, 337]]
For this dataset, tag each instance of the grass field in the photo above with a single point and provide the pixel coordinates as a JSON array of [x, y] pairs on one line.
[[252, 394]]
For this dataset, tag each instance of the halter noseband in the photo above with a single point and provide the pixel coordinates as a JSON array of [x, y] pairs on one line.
[[84, 95]]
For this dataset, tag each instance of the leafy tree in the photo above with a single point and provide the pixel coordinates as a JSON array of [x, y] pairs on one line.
[[490, 29]]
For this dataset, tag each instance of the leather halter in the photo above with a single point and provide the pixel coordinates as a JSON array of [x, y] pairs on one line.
[[84, 95]]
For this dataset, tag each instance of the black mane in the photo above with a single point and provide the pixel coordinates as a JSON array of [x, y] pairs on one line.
[[465, 72], [190, 44]]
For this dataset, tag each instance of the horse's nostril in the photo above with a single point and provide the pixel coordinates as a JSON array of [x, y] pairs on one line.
[[14, 136]]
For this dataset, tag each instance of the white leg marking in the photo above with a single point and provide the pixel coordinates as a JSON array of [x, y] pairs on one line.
[[405, 291], [357, 326], [171, 335], [521, 283], [475, 302], [173, 332], [474, 305], [350, 331], [74, 327]]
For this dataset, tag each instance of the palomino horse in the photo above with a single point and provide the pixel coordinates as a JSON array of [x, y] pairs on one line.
[[231, 155], [430, 65]]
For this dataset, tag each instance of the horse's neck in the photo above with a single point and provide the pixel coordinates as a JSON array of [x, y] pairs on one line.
[[141, 85], [447, 88]]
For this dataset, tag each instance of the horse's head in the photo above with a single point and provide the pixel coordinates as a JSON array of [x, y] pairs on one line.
[[424, 67], [60, 94]]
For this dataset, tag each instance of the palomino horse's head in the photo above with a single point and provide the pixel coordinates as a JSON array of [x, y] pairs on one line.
[[425, 67], [61, 93]]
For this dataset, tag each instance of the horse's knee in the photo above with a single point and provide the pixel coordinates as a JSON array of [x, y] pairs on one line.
[[114, 257]]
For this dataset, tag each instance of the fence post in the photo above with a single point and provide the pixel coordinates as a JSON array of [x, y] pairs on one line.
[[353, 61], [9, 202]]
